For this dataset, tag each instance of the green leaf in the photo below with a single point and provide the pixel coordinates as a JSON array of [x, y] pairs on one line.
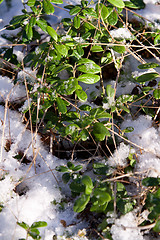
[[31, 3], [102, 196], [117, 3], [88, 66], [100, 131], [82, 96], [81, 203], [38, 224], [66, 177], [157, 40], [155, 213], [62, 169], [71, 128], [32, 21], [96, 48], [34, 234], [119, 49], [62, 49], [147, 77], [139, 3], [57, 1], [148, 65], [42, 24], [124, 206], [150, 181], [80, 50], [110, 91], [100, 168], [77, 187], [48, 7], [84, 135], [70, 165], [156, 93], [52, 33], [112, 18], [1, 1], [130, 5], [75, 10], [61, 68], [85, 107], [88, 78], [23, 225], [29, 31], [18, 19], [77, 168], [102, 10], [61, 105], [157, 226], [76, 22], [87, 181], [103, 115]]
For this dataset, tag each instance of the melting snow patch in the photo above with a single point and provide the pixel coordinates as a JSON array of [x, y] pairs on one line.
[[7, 87], [148, 137], [126, 228]]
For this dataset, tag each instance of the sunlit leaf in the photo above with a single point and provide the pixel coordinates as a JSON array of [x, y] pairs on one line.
[[82, 96], [62, 49], [48, 7], [31, 3], [75, 10], [100, 131], [156, 93], [38, 224], [117, 3], [96, 48], [42, 24], [52, 33], [57, 1], [88, 78], [147, 77], [87, 181], [76, 22], [61, 105], [81, 203], [148, 65], [88, 66]]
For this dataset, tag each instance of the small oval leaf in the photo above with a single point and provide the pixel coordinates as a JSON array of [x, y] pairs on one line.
[[100, 131], [61, 105], [52, 33], [88, 78], [48, 7], [147, 77], [82, 96], [156, 93], [81, 203], [75, 10], [148, 65], [76, 22], [39, 224], [117, 3]]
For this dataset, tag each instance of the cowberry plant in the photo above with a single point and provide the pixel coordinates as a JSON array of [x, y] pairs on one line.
[[68, 58]]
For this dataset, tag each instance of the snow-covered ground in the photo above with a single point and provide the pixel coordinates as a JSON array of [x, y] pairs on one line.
[[40, 183]]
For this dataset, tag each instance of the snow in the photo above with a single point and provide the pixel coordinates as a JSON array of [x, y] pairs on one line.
[[126, 228], [120, 156], [11, 91], [121, 33], [147, 137]]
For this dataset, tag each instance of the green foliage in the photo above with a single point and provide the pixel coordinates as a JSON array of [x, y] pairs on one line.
[[73, 59], [32, 230]]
